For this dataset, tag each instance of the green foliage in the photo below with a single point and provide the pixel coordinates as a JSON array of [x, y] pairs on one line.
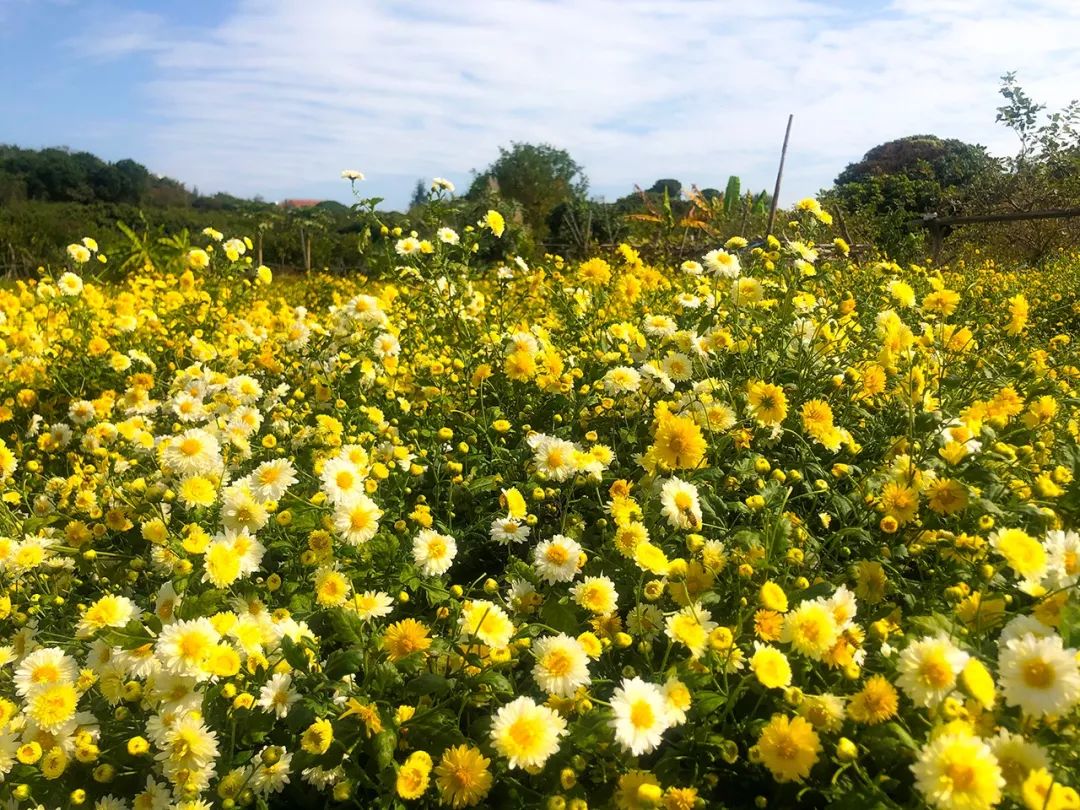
[[897, 182], [672, 187], [577, 227], [59, 175], [731, 194], [1044, 174], [537, 177]]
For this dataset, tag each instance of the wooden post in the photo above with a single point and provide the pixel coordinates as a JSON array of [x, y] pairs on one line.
[[937, 237], [779, 177], [842, 225]]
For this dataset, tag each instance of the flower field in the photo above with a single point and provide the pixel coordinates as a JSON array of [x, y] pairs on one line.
[[772, 527]]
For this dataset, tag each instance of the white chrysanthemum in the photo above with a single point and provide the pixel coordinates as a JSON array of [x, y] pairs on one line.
[[556, 560], [271, 479], [366, 309], [562, 665], [680, 504], [277, 695], [641, 715], [521, 595], [526, 734], [1039, 675], [958, 772], [1017, 757], [677, 366], [691, 626], [433, 552], [929, 668], [245, 388], [509, 530], [44, 667], [645, 621], [342, 480], [241, 510], [1020, 626], [188, 744], [372, 605], [447, 236], [184, 646], [357, 520], [555, 459], [487, 622], [1063, 569], [193, 452], [678, 700], [843, 606], [173, 695], [522, 341], [81, 411], [622, 379], [267, 779], [188, 407], [691, 268], [721, 263], [659, 326], [386, 345], [598, 595], [70, 284], [166, 602], [155, 796], [654, 380], [810, 628]]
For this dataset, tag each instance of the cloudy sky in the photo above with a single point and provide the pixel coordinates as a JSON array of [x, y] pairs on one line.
[[276, 97]]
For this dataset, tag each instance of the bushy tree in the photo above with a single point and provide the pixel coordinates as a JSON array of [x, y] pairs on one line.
[[1044, 174], [536, 176], [898, 182], [673, 187]]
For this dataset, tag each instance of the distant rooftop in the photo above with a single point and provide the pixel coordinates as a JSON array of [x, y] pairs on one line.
[[299, 203]]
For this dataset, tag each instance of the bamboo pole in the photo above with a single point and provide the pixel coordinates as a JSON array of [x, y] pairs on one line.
[[779, 177]]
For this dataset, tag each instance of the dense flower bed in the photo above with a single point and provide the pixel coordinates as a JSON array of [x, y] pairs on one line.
[[768, 528]]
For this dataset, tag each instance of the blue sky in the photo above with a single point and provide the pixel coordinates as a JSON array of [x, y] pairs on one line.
[[276, 97]]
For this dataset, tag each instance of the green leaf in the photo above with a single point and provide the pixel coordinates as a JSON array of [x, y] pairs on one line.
[[499, 683], [342, 663], [898, 731], [384, 744], [560, 615], [483, 483], [428, 683], [294, 654], [705, 703], [347, 626]]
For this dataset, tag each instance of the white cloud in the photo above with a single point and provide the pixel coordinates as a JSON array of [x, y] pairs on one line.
[[282, 94], [123, 35]]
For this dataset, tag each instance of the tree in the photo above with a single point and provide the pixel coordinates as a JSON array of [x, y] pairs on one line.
[[1044, 174], [134, 181], [949, 162], [897, 182], [419, 195], [536, 176], [674, 187]]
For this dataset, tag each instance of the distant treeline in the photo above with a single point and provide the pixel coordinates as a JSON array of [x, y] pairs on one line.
[[60, 175], [52, 197]]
